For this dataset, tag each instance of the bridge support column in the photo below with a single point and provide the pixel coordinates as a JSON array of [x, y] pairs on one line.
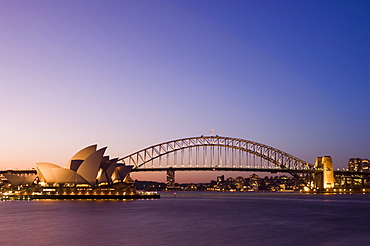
[[170, 178]]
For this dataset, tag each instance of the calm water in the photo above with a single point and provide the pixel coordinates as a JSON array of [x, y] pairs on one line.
[[192, 218]]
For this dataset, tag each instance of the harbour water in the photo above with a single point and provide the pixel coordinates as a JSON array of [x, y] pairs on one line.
[[191, 218]]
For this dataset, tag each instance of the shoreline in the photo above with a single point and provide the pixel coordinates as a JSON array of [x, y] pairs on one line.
[[79, 197]]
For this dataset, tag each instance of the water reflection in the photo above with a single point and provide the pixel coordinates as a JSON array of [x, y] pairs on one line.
[[192, 218]]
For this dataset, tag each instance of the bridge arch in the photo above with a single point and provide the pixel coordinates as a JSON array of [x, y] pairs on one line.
[[216, 146]]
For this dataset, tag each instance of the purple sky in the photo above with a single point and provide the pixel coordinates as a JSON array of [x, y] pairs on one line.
[[294, 75]]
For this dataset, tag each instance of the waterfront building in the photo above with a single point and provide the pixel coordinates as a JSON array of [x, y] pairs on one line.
[[170, 178], [239, 183], [358, 165], [221, 179], [87, 168], [253, 182], [17, 180]]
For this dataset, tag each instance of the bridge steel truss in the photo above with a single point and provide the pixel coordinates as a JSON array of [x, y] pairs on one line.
[[218, 153]]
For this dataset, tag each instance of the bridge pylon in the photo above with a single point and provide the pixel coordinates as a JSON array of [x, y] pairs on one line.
[[325, 178]]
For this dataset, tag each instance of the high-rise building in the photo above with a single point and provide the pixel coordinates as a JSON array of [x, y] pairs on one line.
[[254, 181], [221, 178], [170, 178]]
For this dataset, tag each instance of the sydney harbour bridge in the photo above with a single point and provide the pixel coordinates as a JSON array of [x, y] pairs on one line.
[[217, 153]]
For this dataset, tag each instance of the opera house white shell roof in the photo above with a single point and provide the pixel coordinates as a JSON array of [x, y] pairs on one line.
[[88, 166]]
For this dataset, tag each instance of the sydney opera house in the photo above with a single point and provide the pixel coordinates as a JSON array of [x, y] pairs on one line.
[[89, 170], [88, 167]]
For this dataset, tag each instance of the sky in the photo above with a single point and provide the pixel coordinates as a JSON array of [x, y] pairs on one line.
[[294, 75]]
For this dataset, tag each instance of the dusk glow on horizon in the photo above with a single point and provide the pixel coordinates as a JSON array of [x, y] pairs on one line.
[[294, 75]]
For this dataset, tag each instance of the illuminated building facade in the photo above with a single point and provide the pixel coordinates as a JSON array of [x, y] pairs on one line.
[[254, 181], [359, 165], [324, 179], [239, 182], [170, 178], [17, 180], [220, 178], [87, 168]]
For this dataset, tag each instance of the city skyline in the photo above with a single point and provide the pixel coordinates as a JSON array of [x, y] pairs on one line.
[[127, 75]]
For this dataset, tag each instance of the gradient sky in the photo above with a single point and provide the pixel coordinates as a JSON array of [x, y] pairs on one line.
[[294, 75]]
